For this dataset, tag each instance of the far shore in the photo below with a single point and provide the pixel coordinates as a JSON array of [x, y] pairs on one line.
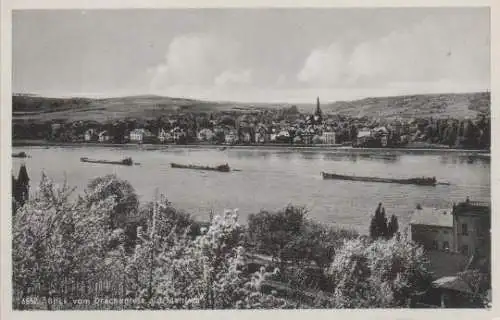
[[276, 147]]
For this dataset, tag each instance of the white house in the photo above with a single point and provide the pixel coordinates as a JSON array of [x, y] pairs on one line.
[[329, 138], [231, 137], [89, 135], [138, 135]]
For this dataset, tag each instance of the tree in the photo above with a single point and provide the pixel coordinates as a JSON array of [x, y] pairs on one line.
[[22, 186], [126, 200], [14, 195], [56, 239], [273, 233], [377, 274], [392, 227], [204, 273], [378, 225]]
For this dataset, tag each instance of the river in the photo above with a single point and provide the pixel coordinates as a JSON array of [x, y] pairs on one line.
[[271, 179]]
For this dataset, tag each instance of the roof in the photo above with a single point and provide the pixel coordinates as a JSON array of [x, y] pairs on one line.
[[433, 217], [452, 283], [473, 207], [382, 129], [364, 134], [445, 263]]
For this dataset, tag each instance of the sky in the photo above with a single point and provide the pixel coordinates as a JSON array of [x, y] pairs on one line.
[[251, 55]]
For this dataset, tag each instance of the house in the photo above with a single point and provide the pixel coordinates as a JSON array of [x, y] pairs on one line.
[[329, 138], [55, 127], [104, 136], [450, 292], [472, 224], [205, 135], [307, 137], [261, 135], [460, 235], [382, 133], [317, 139], [246, 137], [178, 134], [90, 135], [164, 136], [231, 137], [140, 135], [432, 228], [364, 137]]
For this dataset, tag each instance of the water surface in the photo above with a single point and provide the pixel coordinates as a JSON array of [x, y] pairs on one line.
[[271, 179]]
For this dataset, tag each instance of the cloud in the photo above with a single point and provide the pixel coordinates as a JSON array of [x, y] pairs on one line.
[[234, 77], [324, 66], [199, 60], [434, 50]]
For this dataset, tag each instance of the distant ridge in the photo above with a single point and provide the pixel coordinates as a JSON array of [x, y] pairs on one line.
[[455, 105], [35, 107]]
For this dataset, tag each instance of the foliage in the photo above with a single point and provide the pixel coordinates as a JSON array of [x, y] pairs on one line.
[[392, 226], [204, 273], [20, 186], [300, 247], [173, 264], [126, 201], [479, 283], [273, 232], [379, 227], [317, 242], [55, 239], [382, 273]]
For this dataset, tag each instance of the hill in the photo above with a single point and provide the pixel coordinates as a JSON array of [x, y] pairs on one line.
[[459, 105], [32, 107]]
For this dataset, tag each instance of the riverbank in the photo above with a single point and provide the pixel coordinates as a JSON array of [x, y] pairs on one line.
[[412, 149]]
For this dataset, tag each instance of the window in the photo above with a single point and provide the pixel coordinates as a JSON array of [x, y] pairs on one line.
[[434, 245], [445, 231], [465, 249], [464, 229], [446, 246]]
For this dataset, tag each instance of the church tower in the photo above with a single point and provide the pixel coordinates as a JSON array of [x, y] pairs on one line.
[[318, 114]]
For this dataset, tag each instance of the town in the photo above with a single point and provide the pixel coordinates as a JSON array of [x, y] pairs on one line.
[[277, 126]]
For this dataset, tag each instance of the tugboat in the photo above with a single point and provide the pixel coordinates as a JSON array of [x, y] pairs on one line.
[[124, 162], [417, 181], [220, 168], [21, 154]]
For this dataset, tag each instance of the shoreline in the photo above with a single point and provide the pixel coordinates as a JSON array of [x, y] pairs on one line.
[[270, 147]]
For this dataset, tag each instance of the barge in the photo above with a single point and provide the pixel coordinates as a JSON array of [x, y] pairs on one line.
[[424, 181], [220, 168], [124, 162]]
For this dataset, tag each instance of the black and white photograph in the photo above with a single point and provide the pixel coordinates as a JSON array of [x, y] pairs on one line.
[[250, 158]]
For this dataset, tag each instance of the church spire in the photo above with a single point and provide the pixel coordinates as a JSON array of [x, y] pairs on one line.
[[318, 113]]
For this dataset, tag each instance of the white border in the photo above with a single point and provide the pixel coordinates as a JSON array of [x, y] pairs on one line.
[[5, 161]]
